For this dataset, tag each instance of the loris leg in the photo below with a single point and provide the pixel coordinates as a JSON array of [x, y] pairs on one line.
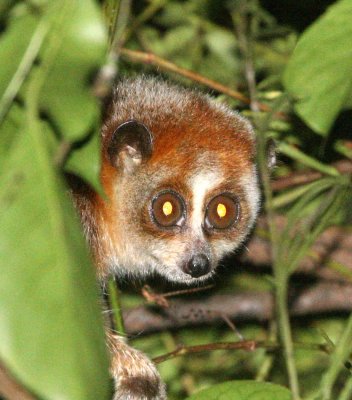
[[136, 377]]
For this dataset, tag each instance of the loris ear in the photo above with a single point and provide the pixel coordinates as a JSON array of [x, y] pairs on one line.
[[130, 145]]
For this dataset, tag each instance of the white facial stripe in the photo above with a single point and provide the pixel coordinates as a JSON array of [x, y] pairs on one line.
[[250, 186], [201, 184]]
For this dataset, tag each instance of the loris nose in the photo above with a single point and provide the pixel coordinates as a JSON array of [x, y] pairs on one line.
[[197, 266]]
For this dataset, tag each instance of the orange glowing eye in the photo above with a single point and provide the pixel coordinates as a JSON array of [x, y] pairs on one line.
[[168, 210], [222, 212]]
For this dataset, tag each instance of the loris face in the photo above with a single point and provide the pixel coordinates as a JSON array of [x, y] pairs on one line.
[[182, 192]]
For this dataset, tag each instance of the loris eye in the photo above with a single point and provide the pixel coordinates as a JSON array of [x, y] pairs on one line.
[[168, 209], [222, 212]]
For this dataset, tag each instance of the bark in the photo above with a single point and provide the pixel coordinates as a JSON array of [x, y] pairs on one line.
[[255, 306]]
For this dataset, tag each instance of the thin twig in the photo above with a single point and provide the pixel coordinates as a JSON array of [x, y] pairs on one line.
[[115, 304], [245, 345], [161, 298], [62, 153], [187, 291], [152, 59], [246, 51]]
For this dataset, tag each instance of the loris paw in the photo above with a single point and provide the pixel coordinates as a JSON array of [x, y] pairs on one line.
[[140, 388], [136, 377]]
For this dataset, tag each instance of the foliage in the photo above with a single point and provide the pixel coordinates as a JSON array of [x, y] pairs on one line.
[[322, 88], [243, 390], [55, 55], [51, 338]]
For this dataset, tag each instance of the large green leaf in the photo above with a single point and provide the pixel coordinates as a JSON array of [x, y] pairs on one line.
[[10, 130], [51, 335], [13, 44], [75, 49], [243, 390], [84, 161], [319, 74]]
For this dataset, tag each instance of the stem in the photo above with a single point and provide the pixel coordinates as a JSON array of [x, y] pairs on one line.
[[346, 392], [268, 361], [118, 15], [246, 345], [286, 336], [115, 304], [241, 24], [340, 354], [24, 67], [281, 275], [281, 278], [120, 24]]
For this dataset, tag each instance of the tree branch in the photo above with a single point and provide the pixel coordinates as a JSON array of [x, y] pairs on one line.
[[247, 345], [259, 306], [244, 345], [152, 59], [10, 389]]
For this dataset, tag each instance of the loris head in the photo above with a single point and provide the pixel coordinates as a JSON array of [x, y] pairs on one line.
[[180, 181]]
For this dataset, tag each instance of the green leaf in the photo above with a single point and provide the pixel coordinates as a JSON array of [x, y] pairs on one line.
[[84, 161], [51, 335], [175, 14], [13, 44], [342, 147], [319, 74], [24, 63], [221, 50], [305, 159], [10, 130], [76, 49], [291, 195], [177, 40], [338, 358], [243, 390]]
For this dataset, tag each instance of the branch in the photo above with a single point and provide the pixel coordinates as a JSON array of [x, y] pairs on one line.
[[244, 345], [152, 59], [10, 389], [259, 306], [247, 345]]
